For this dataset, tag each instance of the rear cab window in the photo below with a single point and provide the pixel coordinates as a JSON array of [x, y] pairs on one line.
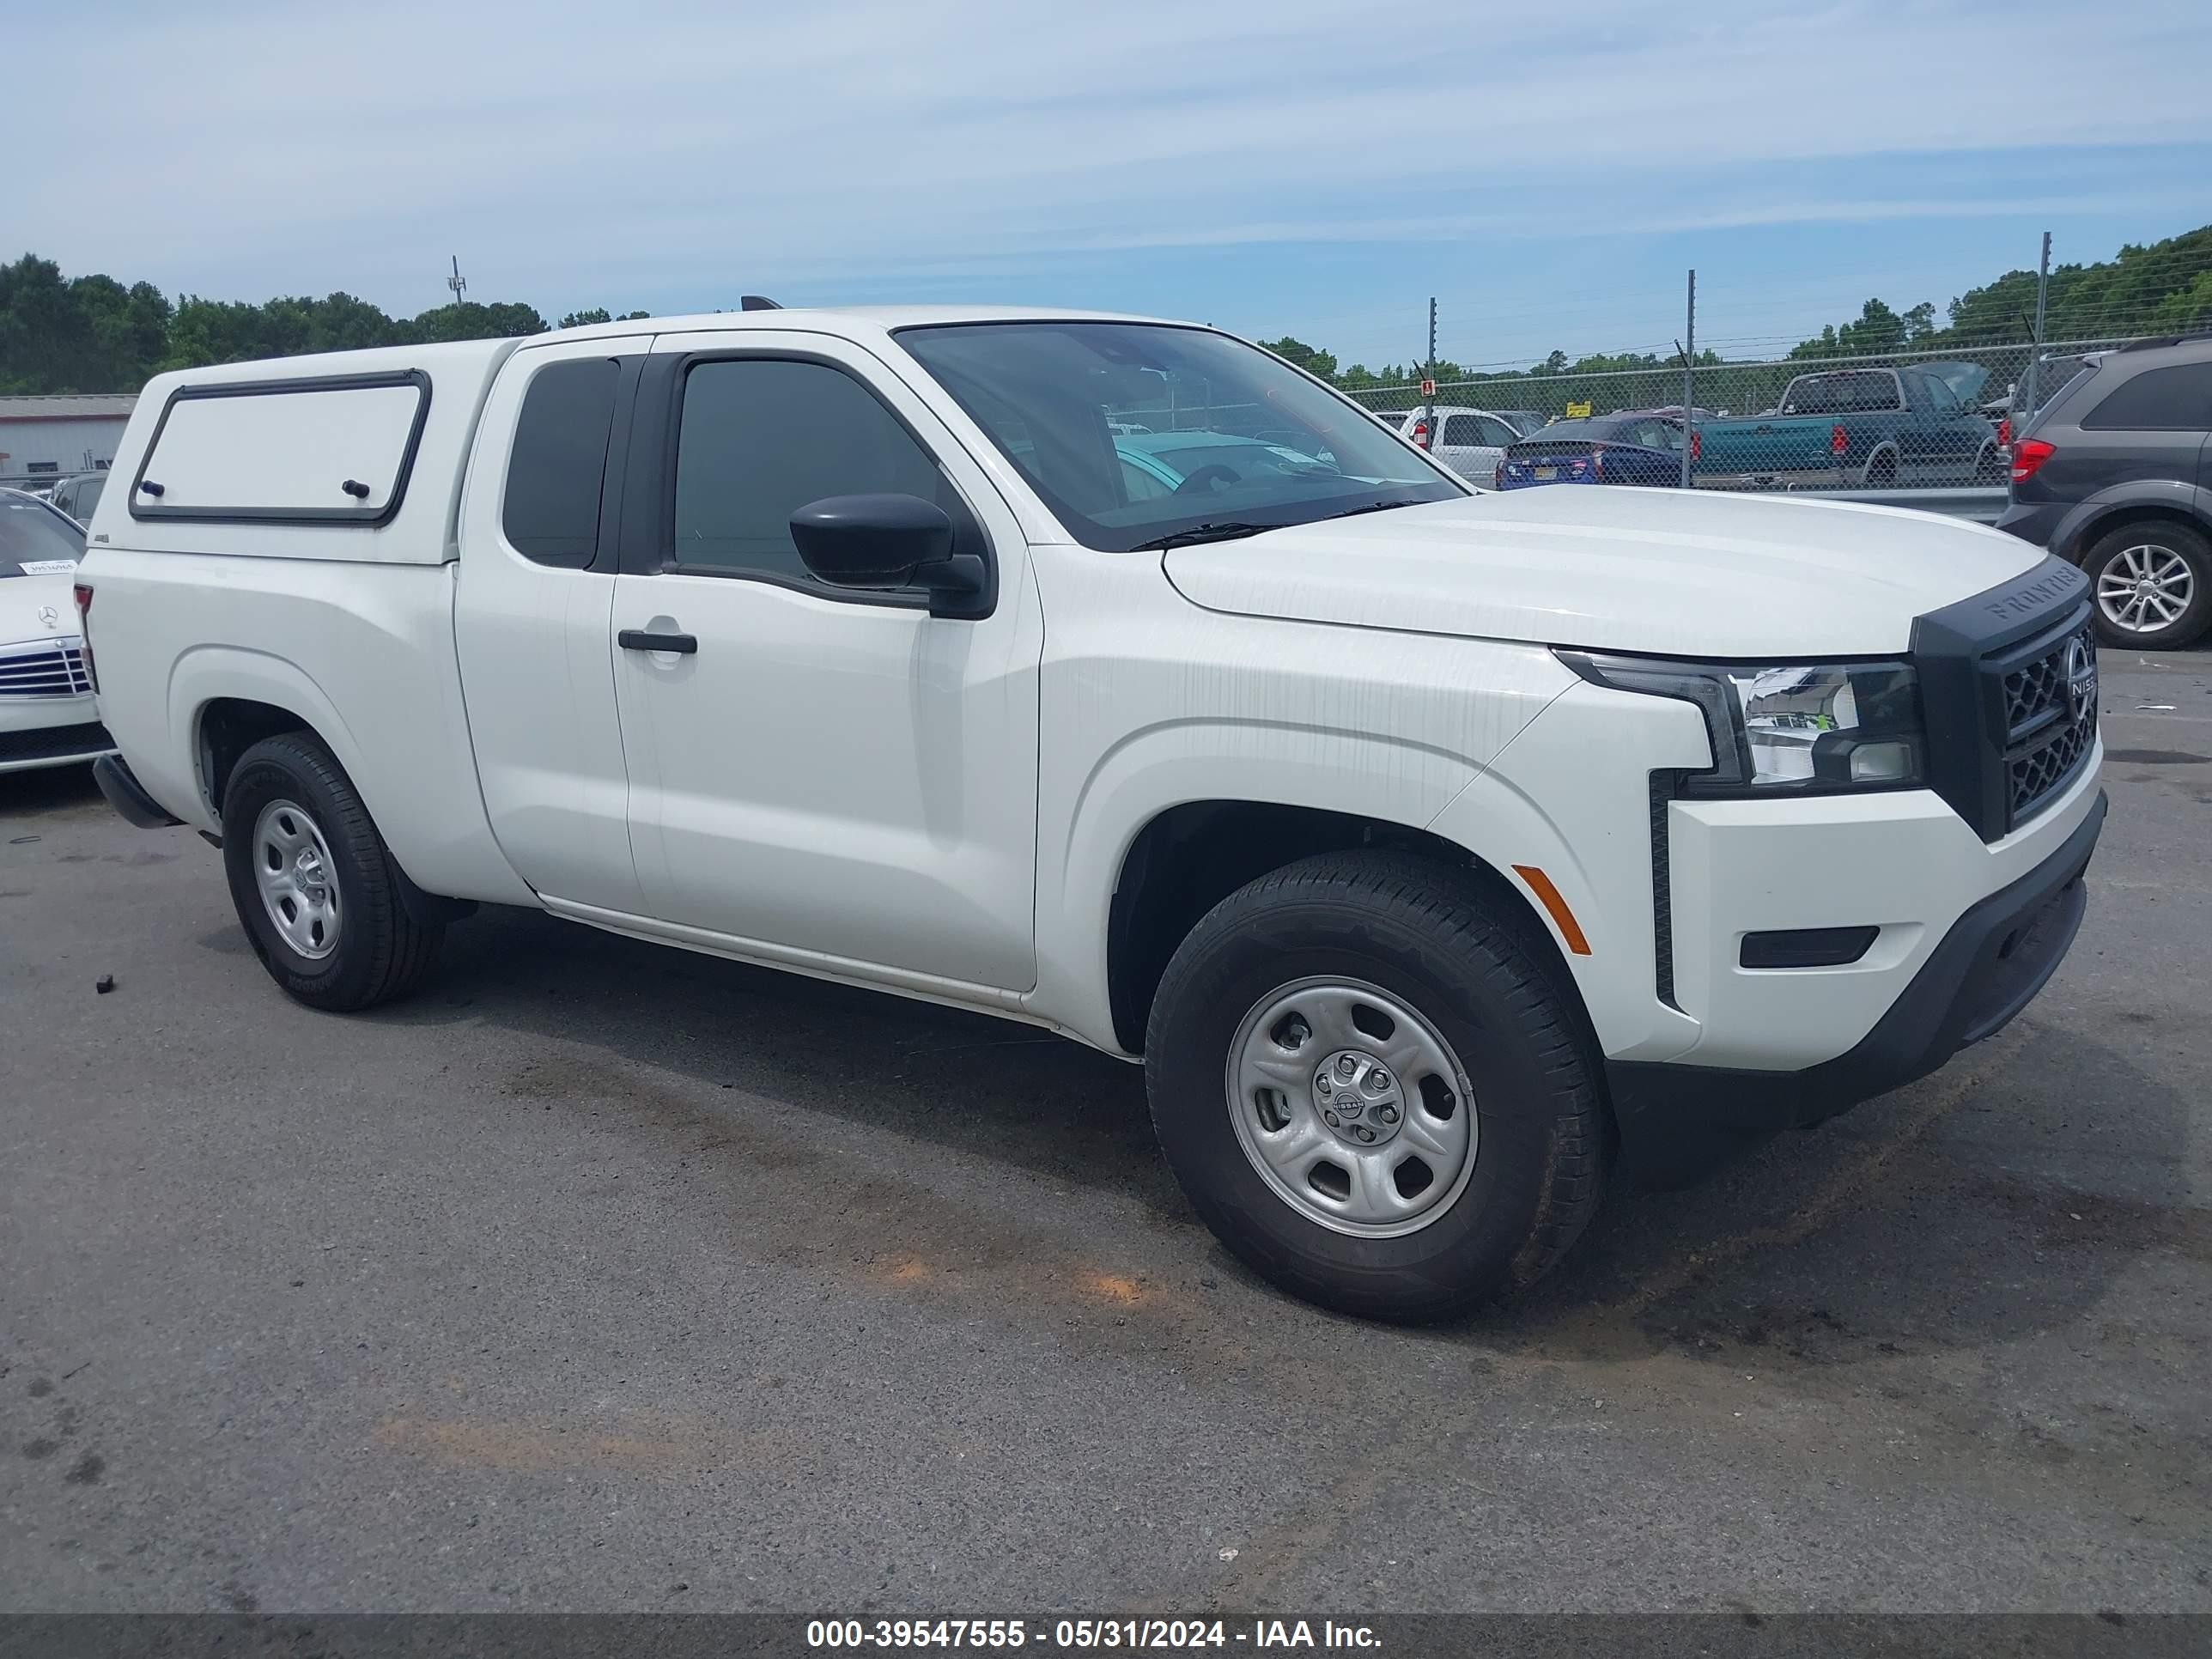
[[1851, 392]]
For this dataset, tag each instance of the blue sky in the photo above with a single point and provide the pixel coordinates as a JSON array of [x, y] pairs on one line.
[[1309, 167]]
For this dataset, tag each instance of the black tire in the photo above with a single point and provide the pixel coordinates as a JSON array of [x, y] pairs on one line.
[[1991, 467], [1882, 470], [2168, 536], [1421, 932], [382, 951]]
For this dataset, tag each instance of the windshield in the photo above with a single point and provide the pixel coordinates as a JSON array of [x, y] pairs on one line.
[[32, 534], [1131, 432]]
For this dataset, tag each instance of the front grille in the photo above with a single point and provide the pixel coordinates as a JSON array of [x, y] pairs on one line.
[[2035, 692], [2037, 774], [44, 668], [83, 740], [2004, 738], [2046, 741]]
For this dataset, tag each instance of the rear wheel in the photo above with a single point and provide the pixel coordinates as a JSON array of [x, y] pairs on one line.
[[1882, 470], [2153, 582], [316, 889], [1371, 1092]]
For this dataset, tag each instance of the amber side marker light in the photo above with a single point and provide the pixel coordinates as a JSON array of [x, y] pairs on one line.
[[1549, 897]]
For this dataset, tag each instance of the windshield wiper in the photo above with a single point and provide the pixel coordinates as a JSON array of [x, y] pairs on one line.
[[1371, 507], [1227, 530]]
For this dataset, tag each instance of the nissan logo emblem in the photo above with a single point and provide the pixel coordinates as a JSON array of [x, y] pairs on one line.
[[2081, 678]]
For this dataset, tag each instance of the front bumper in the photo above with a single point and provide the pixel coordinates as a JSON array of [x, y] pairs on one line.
[[2035, 521], [1988, 966], [50, 732]]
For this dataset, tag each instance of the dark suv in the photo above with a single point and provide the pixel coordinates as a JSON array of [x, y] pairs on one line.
[[2115, 475]]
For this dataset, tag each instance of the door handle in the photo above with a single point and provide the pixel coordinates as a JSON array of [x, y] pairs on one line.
[[636, 638]]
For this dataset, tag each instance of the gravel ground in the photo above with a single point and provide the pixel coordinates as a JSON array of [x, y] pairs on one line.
[[608, 1277]]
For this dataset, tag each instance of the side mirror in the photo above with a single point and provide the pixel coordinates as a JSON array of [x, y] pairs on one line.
[[871, 541], [888, 541]]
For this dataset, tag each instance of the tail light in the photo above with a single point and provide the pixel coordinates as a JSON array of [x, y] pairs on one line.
[[2028, 456], [1597, 460], [2004, 431], [83, 592], [1837, 441], [1697, 444]]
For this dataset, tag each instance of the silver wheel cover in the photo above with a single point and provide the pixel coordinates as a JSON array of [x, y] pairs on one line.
[[1351, 1107]]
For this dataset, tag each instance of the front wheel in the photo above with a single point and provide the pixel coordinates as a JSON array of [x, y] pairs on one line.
[[1371, 1092], [2153, 582], [316, 889]]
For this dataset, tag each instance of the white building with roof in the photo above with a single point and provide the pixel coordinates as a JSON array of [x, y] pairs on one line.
[[49, 437]]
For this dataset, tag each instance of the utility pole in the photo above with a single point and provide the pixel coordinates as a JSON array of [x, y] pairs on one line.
[[1690, 381], [1429, 374], [2035, 341], [457, 283]]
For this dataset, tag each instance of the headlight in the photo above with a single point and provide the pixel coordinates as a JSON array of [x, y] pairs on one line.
[[1776, 727]]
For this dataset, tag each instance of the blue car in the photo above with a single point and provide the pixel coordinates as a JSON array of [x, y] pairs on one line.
[[1629, 448]]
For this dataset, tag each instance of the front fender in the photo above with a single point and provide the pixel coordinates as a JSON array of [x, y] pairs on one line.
[[1174, 764], [1375, 725]]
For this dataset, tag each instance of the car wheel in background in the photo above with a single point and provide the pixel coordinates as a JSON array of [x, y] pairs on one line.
[[316, 889], [2151, 583], [1882, 470], [1372, 1092]]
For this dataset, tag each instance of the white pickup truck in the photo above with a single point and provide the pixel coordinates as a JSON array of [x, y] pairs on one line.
[[1432, 848]]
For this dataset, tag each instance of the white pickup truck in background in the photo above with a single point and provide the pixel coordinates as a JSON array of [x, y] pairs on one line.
[[1430, 848]]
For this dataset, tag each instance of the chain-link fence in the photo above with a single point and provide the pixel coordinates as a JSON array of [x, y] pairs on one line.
[[1902, 420], [1896, 401]]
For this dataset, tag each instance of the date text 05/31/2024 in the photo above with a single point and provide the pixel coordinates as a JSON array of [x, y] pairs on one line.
[[833, 1633]]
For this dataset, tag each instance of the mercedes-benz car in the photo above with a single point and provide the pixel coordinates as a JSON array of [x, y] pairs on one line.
[[46, 716]]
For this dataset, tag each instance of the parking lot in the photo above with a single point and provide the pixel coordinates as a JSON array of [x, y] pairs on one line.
[[608, 1277]]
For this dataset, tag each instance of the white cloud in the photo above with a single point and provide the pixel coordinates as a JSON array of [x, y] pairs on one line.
[[575, 154]]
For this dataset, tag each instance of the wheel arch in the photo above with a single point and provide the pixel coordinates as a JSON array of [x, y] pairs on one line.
[[1188, 857], [223, 699], [1889, 447], [2183, 503], [225, 727]]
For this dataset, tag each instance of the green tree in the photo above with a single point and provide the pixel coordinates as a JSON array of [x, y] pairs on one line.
[[471, 321], [1299, 355], [47, 341]]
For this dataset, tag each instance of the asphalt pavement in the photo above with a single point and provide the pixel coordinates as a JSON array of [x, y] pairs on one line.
[[608, 1277]]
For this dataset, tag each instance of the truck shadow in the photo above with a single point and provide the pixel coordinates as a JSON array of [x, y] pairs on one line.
[[1942, 1216], [2003, 1196], [25, 796], [965, 1081]]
